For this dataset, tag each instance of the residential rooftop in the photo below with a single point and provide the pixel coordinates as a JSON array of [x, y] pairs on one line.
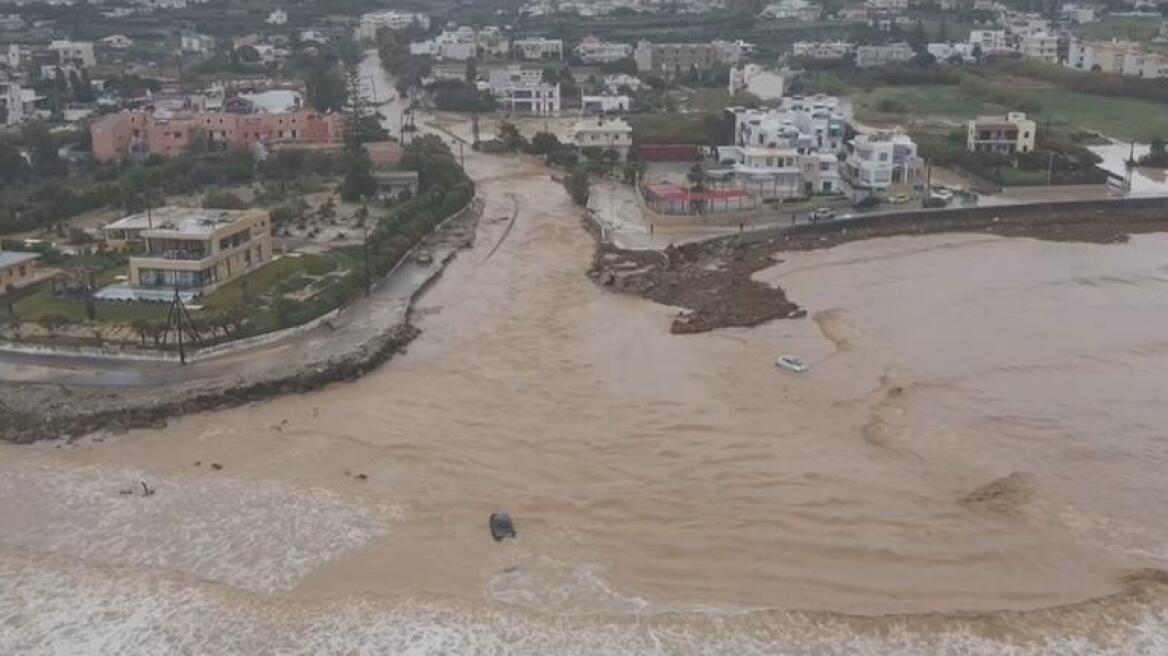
[[181, 221], [13, 258]]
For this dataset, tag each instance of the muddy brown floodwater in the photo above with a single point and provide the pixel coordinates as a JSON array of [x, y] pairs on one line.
[[974, 463]]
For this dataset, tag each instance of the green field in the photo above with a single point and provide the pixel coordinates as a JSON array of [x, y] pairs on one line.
[[918, 102], [1129, 28], [1118, 118]]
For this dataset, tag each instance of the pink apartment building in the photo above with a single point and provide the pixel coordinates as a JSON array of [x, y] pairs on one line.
[[148, 133]]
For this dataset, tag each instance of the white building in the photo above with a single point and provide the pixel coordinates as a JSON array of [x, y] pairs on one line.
[[535, 48], [887, 5], [869, 56], [519, 89], [618, 82], [822, 49], [1041, 46], [278, 17], [605, 104], [754, 79], [1005, 135], [75, 53], [605, 133], [592, 50], [1076, 13], [372, 23], [797, 10], [117, 42], [1119, 57], [951, 52], [455, 45], [989, 41], [805, 124], [199, 44], [877, 161]]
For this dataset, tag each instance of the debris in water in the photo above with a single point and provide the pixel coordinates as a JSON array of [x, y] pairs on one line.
[[216, 466], [501, 526]]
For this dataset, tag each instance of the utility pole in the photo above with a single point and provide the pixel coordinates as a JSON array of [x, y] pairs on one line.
[[176, 316], [1050, 170], [461, 156]]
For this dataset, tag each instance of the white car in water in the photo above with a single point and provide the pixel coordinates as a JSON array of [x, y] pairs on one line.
[[791, 363]]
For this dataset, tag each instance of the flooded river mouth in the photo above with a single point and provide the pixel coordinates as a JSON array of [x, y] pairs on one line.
[[979, 431]]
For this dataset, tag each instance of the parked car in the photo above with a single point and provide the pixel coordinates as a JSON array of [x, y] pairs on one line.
[[942, 193], [423, 257], [868, 202], [933, 200], [898, 199], [822, 214]]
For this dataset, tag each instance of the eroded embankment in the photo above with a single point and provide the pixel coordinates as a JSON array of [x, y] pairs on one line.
[[712, 281]]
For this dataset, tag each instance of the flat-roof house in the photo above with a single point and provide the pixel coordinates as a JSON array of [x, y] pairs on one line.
[[191, 249], [17, 269]]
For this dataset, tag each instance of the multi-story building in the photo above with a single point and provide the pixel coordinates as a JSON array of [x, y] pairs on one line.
[[605, 133], [869, 56], [455, 45], [1120, 57], [880, 160], [371, 23], [805, 124], [18, 103], [139, 133], [74, 53], [1041, 46], [17, 269], [536, 48], [520, 89], [887, 5], [592, 50], [193, 250], [277, 17], [1006, 135], [676, 57], [824, 50], [989, 41], [732, 52], [117, 42]]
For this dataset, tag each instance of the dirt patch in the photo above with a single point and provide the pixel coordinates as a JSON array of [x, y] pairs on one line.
[[712, 282]]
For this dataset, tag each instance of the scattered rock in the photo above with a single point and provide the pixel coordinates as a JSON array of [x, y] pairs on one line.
[[216, 466]]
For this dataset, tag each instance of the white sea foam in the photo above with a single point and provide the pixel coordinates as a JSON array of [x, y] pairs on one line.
[[257, 535], [58, 608]]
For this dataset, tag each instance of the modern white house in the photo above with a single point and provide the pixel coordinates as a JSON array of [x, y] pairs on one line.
[[1041, 46], [806, 124], [989, 41], [877, 161], [592, 50], [520, 89], [604, 133], [117, 42], [537, 48], [618, 82], [605, 104]]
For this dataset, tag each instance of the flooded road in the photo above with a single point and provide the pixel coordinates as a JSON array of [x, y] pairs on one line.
[[980, 431]]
